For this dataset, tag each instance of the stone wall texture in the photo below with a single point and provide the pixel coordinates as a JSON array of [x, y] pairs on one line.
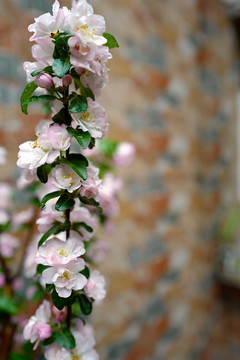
[[171, 92]]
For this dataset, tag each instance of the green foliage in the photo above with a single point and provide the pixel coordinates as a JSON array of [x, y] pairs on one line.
[[47, 69], [85, 304], [60, 302], [85, 91], [78, 104], [26, 94], [41, 268], [86, 272], [54, 230], [50, 196], [49, 287], [82, 137], [231, 225], [66, 339], [7, 305], [43, 171], [65, 202], [111, 41], [61, 49], [60, 117], [61, 67], [78, 163], [50, 340], [5, 227], [84, 225], [91, 202], [107, 147]]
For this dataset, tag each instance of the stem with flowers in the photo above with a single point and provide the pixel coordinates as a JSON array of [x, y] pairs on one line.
[[71, 51]]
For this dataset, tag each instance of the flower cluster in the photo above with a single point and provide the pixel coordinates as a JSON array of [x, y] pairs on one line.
[[71, 51]]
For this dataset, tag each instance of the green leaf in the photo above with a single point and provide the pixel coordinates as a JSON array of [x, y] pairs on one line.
[[17, 356], [78, 104], [61, 67], [36, 98], [66, 339], [41, 268], [27, 93], [91, 202], [49, 287], [108, 147], [82, 137], [92, 143], [85, 304], [60, 117], [65, 202], [50, 196], [55, 229], [5, 227], [7, 305], [61, 50], [50, 340], [84, 225], [39, 294], [85, 91], [78, 163], [86, 272], [42, 173], [47, 69], [111, 41], [60, 302]]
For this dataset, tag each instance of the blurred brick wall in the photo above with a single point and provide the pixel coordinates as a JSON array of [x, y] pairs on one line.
[[171, 92]]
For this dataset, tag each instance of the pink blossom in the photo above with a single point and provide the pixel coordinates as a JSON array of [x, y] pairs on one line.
[[17, 284], [55, 352], [98, 251], [65, 178], [51, 139], [4, 217], [82, 214], [22, 217], [56, 252], [48, 215], [27, 176], [44, 80], [107, 195], [65, 278], [95, 287], [6, 192], [37, 328], [94, 120], [85, 341], [124, 154], [8, 244], [90, 187]]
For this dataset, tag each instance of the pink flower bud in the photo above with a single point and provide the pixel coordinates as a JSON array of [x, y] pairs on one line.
[[67, 80], [44, 80], [60, 314], [44, 331]]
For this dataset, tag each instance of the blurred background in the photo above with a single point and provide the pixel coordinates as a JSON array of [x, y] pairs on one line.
[[173, 270]]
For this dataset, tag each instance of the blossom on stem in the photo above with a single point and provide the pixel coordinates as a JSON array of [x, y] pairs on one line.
[[90, 187], [37, 328], [65, 178], [51, 139], [55, 252], [44, 80], [8, 243], [95, 287], [66, 278], [94, 120]]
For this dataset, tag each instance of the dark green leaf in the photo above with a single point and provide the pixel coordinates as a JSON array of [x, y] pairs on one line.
[[7, 305], [65, 202], [61, 67], [61, 50], [50, 196], [47, 69], [36, 98], [85, 304], [41, 268], [27, 93], [78, 163], [17, 356], [39, 294], [108, 147], [60, 302], [78, 104], [91, 202], [49, 287], [65, 339], [111, 41], [86, 272], [60, 117], [82, 137], [92, 143], [42, 173], [5, 227], [55, 229], [84, 225], [50, 340]]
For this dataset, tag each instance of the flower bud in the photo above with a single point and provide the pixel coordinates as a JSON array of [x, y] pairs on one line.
[[44, 80], [60, 314], [44, 331], [67, 80]]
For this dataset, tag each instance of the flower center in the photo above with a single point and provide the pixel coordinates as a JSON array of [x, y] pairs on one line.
[[69, 176], [66, 275], [86, 116], [35, 144], [62, 252]]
